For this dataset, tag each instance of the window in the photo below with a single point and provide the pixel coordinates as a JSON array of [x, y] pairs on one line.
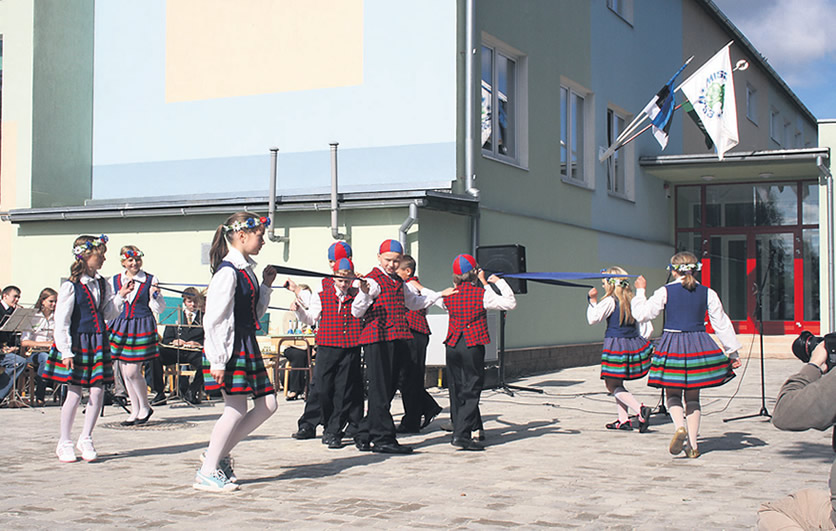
[[504, 112], [622, 8], [751, 103], [572, 134], [787, 134], [616, 182], [774, 125]]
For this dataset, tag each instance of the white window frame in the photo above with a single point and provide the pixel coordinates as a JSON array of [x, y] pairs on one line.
[[622, 8], [587, 177], [520, 130], [752, 103], [624, 156], [773, 125]]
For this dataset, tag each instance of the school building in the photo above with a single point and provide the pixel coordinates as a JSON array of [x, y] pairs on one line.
[[459, 124]]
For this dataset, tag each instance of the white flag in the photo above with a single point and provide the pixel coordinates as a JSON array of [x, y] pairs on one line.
[[711, 91]]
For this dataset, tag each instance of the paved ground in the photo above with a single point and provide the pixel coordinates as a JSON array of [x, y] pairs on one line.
[[550, 463]]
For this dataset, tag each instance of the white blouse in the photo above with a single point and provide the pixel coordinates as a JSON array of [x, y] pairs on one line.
[[219, 317], [600, 312], [113, 304], [645, 309], [157, 304], [43, 328]]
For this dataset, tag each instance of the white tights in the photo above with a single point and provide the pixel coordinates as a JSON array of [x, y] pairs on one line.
[[235, 424], [623, 399], [137, 390], [68, 410], [690, 415]]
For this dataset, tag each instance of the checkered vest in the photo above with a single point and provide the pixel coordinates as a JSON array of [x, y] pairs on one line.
[[385, 320], [337, 327], [467, 316], [246, 297], [139, 306], [417, 319]]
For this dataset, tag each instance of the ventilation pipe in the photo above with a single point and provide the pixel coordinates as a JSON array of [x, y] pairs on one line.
[[335, 232], [271, 231], [470, 102], [408, 222], [831, 289]]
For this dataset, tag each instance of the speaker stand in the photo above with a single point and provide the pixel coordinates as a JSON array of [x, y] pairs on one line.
[[501, 384]]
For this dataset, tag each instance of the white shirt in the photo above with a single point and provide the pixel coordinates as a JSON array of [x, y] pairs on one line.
[[219, 317], [600, 311], [113, 304], [43, 328], [157, 304], [314, 311], [491, 301], [413, 300], [645, 309]]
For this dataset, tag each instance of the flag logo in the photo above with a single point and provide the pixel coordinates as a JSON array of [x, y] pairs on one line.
[[712, 96]]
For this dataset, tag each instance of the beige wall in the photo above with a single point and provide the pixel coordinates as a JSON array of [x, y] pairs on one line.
[[827, 138]]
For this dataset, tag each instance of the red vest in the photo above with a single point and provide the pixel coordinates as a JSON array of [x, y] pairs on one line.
[[337, 327], [417, 319], [467, 316], [385, 320]]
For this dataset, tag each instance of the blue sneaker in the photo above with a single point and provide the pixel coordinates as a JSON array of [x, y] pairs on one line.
[[225, 464], [215, 482]]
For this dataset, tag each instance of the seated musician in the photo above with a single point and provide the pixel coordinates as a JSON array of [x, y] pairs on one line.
[[40, 339], [11, 365], [186, 337]]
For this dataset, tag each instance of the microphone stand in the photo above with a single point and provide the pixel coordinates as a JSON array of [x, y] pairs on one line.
[[759, 309]]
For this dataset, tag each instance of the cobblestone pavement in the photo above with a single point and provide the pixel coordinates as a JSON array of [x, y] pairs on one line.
[[549, 463]]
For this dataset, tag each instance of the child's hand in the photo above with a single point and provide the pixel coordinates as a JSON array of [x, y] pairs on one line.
[[218, 375], [126, 288], [293, 306], [364, 285], [292, 286], [481, 276], [493, 279], [155, 290], [68, 362], [641, 282], [593, 295], [735, 363], [269, 275], [449, 291]]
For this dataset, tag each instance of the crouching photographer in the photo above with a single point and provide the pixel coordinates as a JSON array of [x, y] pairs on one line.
[[806, 400]]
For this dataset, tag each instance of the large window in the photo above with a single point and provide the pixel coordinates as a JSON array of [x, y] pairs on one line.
[[775, 125], [616, 180], [503, 103], [751, 103], [572, 117]]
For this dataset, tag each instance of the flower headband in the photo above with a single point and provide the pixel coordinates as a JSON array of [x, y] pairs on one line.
[[624, 283], [685, 269], [79, 250], [249, 223], [130, 253]]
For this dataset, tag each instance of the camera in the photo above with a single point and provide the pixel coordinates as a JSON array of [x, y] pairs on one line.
[[804, 344]]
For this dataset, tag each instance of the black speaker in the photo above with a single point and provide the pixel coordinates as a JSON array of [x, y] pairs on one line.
[[504, 259]]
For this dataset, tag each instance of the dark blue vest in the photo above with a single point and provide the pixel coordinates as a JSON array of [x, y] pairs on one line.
[[139, 307], [246, 297], [87, 317], [685, 310], [616, 329]]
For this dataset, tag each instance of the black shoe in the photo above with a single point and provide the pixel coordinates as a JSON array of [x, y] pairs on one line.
[[336, 442], [305, 432], [128, 422], [429, 417], [362, 445], [142, 421], [447, 425], [466, 444], [328, 438], [407, 429], [191, 397], [158, 400], [645, 413], [392, 448]]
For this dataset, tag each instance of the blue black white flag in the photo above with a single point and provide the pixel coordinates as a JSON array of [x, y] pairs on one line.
[[660, 110]]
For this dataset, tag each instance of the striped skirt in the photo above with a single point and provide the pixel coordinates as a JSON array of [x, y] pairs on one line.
[[688, 360], [134, 340], [625, 358], [92, 363], [244, 373]]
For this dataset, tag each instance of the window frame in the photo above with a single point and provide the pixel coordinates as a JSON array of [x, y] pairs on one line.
[[587, 178], [752, 103], [520, 102], [774, 116], [625, 156], [624, 9]]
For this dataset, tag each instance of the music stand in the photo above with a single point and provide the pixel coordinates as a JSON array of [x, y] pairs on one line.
[[176, 394], [19, 321]]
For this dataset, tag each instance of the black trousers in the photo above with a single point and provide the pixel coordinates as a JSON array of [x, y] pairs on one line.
[[312, 414], [416, 400], [383, 361], [168, 356], [466, 376], [340, 387]]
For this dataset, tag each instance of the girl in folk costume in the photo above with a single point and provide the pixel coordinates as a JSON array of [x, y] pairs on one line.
[[133, 334], [235, 303], [338, 375], [467, 335], [627, 350], [686, 359], [80, 356]]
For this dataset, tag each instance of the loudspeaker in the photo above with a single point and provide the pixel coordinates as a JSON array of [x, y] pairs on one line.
[[504, 259]]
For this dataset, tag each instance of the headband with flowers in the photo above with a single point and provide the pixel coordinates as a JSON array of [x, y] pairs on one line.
[[623, 282], [130, 253], [79, 250], [685, 269], [249, 223]]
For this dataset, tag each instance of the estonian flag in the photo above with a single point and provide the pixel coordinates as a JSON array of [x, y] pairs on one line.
[[660, 110]]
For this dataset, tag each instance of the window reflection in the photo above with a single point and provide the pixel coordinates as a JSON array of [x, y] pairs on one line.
[[812, 310]]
